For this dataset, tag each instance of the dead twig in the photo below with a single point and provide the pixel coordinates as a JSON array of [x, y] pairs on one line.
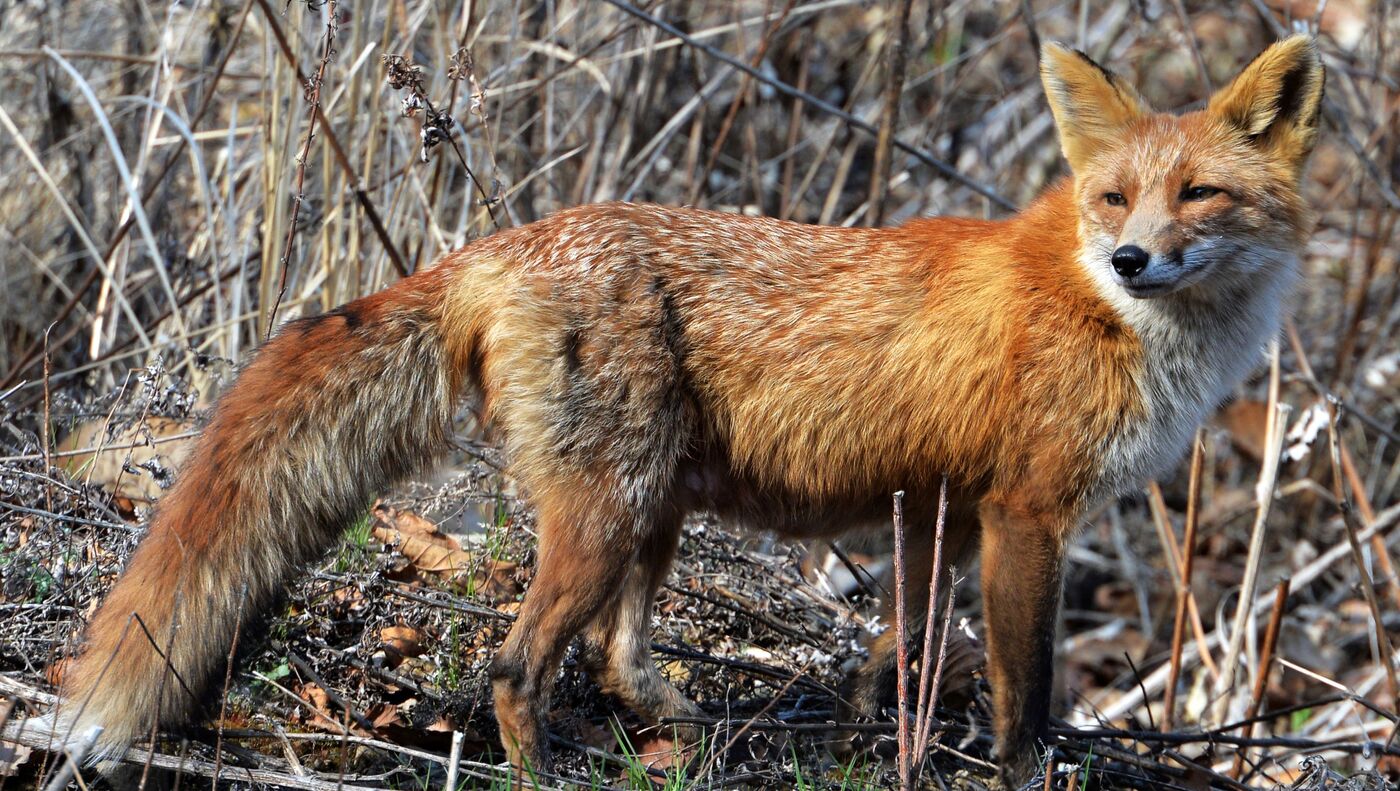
[[930, 675], [1183, 594], [898, 52], [313, 99], [901, 647], [1261, 680], [1385, 650]]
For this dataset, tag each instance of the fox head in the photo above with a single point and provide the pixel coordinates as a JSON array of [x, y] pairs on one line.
[[1168, 202]]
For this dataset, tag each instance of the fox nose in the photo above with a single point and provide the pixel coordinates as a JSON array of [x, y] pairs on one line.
[[1129, 260]]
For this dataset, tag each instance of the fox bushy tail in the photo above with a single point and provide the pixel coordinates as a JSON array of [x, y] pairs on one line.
[[332, 410]]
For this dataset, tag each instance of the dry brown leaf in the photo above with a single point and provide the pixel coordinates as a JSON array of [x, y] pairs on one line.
[[401, 642], [409, 523], [675, 671], [412, 524], [348, 596], [383, 715], [425, 553], [965, 658], [125, 508], [314, 695], [427, 550], [1246, 420], [498, 580], [441, 725]]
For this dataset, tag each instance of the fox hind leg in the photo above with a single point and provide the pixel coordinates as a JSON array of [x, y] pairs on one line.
[[585, 554], [617, 643]]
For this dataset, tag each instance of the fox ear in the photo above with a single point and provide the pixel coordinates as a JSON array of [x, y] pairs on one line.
[[1276, 100], [1091, 104]]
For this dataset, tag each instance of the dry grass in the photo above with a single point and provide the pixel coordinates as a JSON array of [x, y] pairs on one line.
[[121, 318]]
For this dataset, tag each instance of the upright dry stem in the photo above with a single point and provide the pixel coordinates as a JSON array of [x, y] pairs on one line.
[[1264, 497], [901, 645], [1183, 592], [923, 711]]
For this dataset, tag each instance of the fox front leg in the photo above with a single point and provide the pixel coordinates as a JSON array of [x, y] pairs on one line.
[[1022, 561]]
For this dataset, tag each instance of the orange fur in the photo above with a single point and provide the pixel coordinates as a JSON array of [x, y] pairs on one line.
[[641, 363]]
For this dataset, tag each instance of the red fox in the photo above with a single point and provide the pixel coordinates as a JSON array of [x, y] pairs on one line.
[[641, 363]]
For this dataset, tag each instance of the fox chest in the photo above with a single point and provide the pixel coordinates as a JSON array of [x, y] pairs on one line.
[[1185, 376]]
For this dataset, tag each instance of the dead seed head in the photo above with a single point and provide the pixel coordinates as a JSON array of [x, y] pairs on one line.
[[462, 65], [437, 128], [403, 74]]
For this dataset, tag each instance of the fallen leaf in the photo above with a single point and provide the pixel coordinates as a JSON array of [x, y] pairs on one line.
[[106, 459], [348, 596], [383, 715], [675, 671], [400, 642], [1246, 420], [431, 553], [498, 580], [125, 508], [964, 659], [314, 695]]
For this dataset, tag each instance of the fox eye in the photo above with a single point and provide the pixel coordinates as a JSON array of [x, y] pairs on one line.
[[1199, 193], [1115, 199]]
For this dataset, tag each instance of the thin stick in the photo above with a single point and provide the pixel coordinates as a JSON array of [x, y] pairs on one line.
[[1264, 496], [1158, 508], [926, 727], [313, 98], [923, 711], [63, 454], [1306, 371], [698, 183], [128, 181], [154, 184], [1188, 556], [76, 754], [901, 650], [327, 131], [1383, 646], [160, 688], [889, 115], [454, 758], [1201, 72], [228, 681], [1261, 681], [335, 697], [48, 422], [1385, 521], [1368, 515]]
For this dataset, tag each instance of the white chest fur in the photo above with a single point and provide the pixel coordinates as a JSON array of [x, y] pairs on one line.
[[1198, 345]]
